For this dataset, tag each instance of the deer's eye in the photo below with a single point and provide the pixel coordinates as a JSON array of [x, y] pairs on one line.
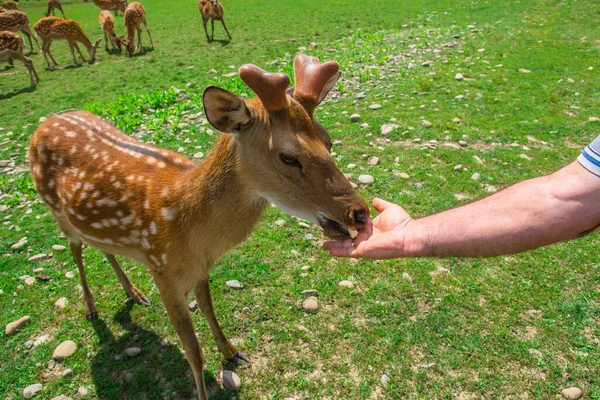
[[289, 160]]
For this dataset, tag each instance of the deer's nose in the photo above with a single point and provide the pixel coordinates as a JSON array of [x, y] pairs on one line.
[[361, 216]]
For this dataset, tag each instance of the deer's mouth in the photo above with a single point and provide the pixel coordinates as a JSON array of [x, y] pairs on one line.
[[336, 230]]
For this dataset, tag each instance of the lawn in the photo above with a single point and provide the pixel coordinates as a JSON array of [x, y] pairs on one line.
[[523, 326]]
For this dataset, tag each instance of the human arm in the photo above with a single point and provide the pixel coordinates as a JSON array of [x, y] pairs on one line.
[[534, 213]]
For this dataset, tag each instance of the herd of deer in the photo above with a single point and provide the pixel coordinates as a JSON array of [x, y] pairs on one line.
[[52, 28]]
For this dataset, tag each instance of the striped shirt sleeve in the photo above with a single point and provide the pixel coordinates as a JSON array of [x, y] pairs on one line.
[[590, 157]]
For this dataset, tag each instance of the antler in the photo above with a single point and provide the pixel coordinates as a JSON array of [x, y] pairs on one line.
[[270, 88], [313, 80]]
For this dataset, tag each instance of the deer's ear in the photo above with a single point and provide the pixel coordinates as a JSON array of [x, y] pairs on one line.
[[225, 111]]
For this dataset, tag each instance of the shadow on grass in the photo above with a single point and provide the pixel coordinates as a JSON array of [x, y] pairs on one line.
[[159, 370], [222, 42], [11, 94]]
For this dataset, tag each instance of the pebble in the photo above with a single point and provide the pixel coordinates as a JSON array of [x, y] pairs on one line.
[[355, 118], [476, 176], [305, 267], [403, 175], [310, 292], [18, 245], [30, 281], [374, 161], [129, 377], [61, 303], [234, 284], [477, 159], [38, 270], [82, 391], [64, 350], [385, 379], [133, 351], [525, 156], [426, 63], [594, 119], [32, 390], [351, 166], [375, 106], [193, 306], [524, 71], [365, 125], [16, 325], [279, 222], [457, 120], [38, 257], [462, 143], [70, 275], [67, 372], [347, 284], [386, 129], [459, 77], [199, 155], [572, 393], [366, 179], [58, 247], [309, 236], [311, 304], [426, 123], [458, 167], [303, 225], [230, 380]]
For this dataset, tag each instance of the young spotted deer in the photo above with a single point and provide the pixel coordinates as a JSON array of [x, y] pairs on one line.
[[135, 15], [52, 5], [12, 47], [9, 5], [107, 23], [51, 29], [112, 5], [17, 21], [213, 10], [176, 217]]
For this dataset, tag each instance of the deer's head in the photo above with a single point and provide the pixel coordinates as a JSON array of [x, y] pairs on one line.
[[92, 50], [283, 152]]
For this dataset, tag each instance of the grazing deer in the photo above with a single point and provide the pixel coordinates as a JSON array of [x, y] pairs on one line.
[[213, 10], [52, 5], [9, 5], [176, 217], [51, 29], [17, 21], [135, 15], [112, 5], [12, 46], [107, 23]]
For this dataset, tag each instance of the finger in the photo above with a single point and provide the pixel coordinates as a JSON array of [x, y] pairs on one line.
[[334, 244], [343, 252], [380, 204]]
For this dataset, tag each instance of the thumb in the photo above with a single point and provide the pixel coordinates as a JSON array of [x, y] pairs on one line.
[[380, 205]]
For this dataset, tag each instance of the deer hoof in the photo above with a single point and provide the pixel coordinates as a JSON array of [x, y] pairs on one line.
[[93, 316], [238, 359], [139, 298]]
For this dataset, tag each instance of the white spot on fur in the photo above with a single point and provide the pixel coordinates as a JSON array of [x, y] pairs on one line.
[[145, 244], [106, 202], [96, 225], [153, 227], [167, 213]]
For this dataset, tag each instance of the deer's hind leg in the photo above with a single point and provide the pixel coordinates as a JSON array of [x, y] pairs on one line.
[[225, 26], [133, 292], [149, 35]]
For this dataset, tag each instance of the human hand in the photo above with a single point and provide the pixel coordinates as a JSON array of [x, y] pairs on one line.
[[383, 237]]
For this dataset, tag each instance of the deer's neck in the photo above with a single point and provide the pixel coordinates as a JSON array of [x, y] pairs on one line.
[[84, 40]]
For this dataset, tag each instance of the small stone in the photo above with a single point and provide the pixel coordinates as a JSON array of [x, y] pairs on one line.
[[305, 267], [61, 303], [312, 45], [30, 281], [309, 236], [458, 167], [406, 276], [311, 304], [310, 292], [212, 71], [230, 380], [280, 223], [426, 63], [230, 75], [374, 161], [426, 123], [70, 275], [477, 159], [234, 284], [524, 71], [375, 106], [355, 118], [459, 77], [366, 179], [82, 391], [303, 225], [594, 119], [462, 143], [457, 120], [32, 390], [38, 270], [525, 157], [18, 245], [385, 379], [133, 351], [572, 393], [347, 284], [351, 166], [29, 344], [364, 126], [67, 372], [38, 257], [193, 306], [386, 129], [58, 247], [16, 325], [402, 175], [476, 176], [64, 350], [129, 377], [118, 357], [199, 155]]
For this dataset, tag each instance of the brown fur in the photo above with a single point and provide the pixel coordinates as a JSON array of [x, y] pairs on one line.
[[161, 209], [9, 5], [112, 5], [212, 10], [12, 46], [107, 23], [52, 5], [50, 29], [135, 15], [17, 21]]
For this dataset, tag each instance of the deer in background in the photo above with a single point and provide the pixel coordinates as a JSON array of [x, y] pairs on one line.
[[17, 21], [213, 10], [9, 5], [107, 23], [52, 5], [135, 15], [178, 218], [112, 5], [12, 46], [51, 29]]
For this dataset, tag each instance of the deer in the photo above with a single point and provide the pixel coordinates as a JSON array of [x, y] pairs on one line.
[[157, 207], [9, 5], [112, 5], [107, 23], [12, 46], [17, 21], [213, 10], [51, 29], [135, 15], [52, 5]]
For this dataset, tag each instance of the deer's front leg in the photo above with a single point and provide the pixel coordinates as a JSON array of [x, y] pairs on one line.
[[202, 293], [180, 317], [204, 21]]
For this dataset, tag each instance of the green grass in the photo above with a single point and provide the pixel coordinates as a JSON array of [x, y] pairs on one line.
[[498, 327]]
